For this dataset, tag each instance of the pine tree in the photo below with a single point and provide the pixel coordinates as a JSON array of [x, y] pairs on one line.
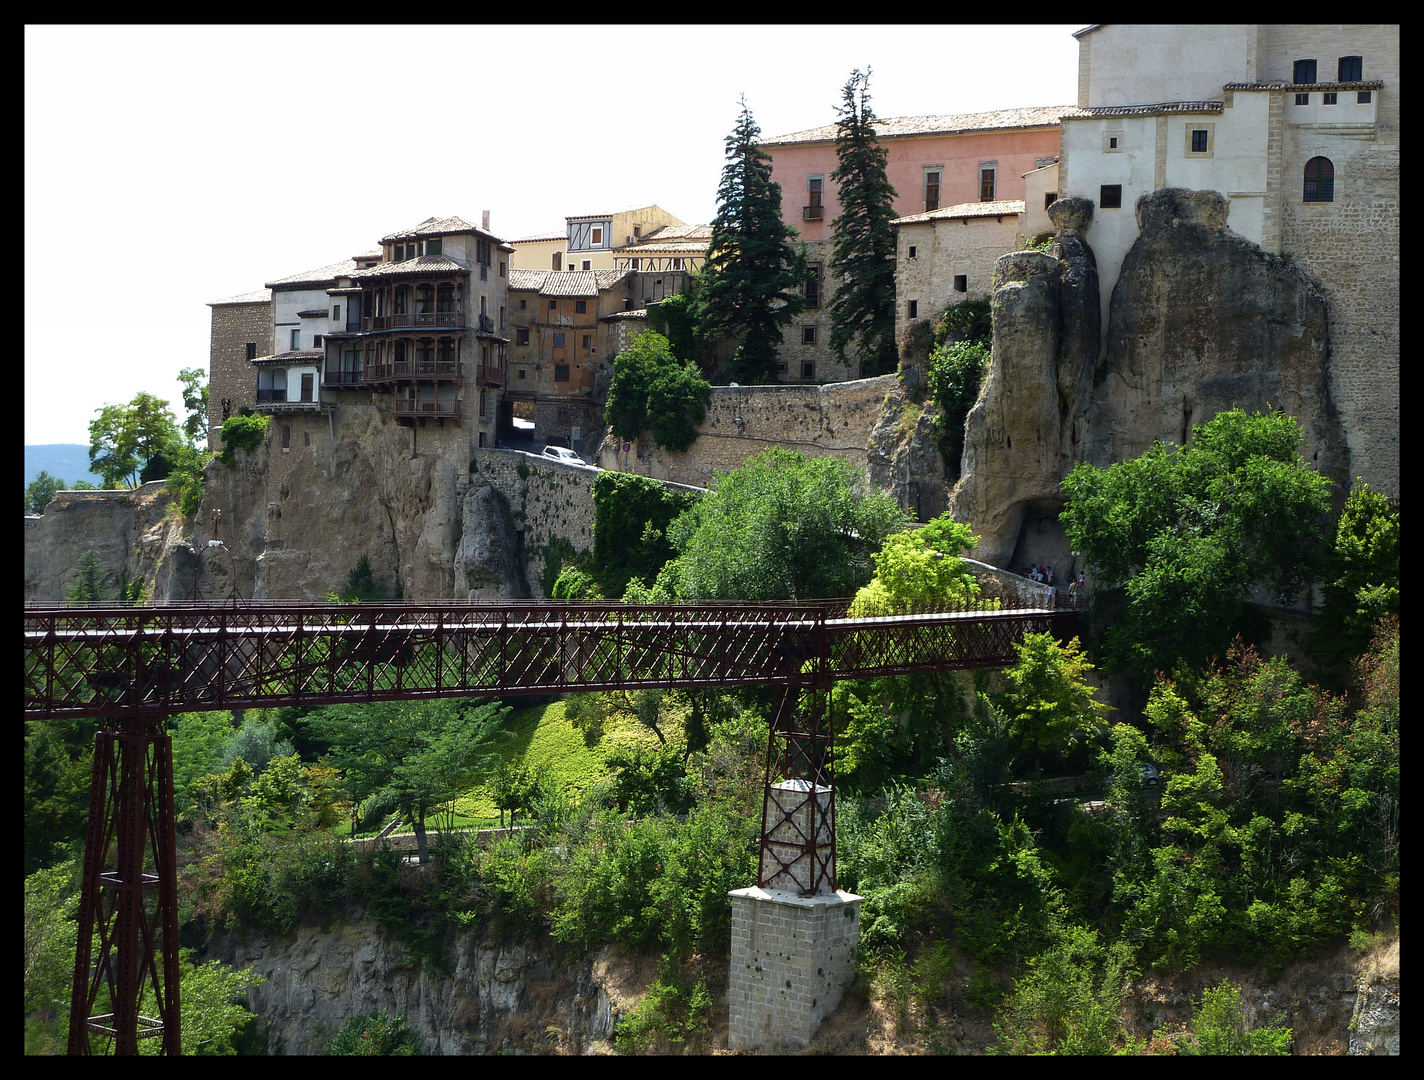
[[753, 289], [863, 250]]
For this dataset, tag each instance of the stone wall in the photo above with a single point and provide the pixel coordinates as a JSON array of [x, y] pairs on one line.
[[230, 374], [832, 420]]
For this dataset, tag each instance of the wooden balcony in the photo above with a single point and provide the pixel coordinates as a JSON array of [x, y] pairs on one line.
[[453, 319], [407, 411], [343, 379], [452, 370], [490, 375]]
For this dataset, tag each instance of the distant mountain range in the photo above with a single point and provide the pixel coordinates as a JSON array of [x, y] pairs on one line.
[[67, 461]]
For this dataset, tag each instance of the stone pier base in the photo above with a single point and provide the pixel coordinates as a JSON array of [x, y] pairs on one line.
[[792, 959]]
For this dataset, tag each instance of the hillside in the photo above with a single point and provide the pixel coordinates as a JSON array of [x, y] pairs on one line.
[[68, 461]]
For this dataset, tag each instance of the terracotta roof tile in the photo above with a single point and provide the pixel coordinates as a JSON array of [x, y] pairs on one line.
[[313, 277], [1001, 208], [259, 296], [421, 264], [1155, 109], [905, 126]]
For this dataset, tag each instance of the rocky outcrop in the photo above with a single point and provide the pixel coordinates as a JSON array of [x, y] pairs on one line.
[[487, 558], [1203, 321], [518, 996], [902, 453]]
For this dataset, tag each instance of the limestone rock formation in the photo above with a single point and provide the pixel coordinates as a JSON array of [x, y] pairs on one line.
[[487, 559], [1203, 321], [902, 455]]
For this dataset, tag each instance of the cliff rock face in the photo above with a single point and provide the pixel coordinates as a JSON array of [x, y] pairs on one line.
[[487, 558], [902, 453], [1202, 321], [498, 996]]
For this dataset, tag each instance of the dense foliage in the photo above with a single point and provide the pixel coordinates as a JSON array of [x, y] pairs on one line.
[[241, 433], [863, 241], [654, 391], [1188, 531], [780, 527], [631, 518], [956, 373], [123, 439], [1362, 572], [40, 491], [753, 275], [919, 565]]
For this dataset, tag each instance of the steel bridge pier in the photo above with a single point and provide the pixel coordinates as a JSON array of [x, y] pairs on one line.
[[133, 914]]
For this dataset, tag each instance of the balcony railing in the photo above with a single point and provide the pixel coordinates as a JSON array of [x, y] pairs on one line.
[[343, 378], [270, 396], [413, 319], [416, 369], [811, 213], [490, 375], [487, 324], [404, 407]]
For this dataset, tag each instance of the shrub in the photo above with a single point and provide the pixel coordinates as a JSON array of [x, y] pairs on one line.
[[375, 1035], [241, 433]]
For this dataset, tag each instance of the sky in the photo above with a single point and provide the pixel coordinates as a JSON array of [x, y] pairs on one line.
[[186, 164]]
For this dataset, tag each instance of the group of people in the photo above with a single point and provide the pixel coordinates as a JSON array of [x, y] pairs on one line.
[[1044, 576]]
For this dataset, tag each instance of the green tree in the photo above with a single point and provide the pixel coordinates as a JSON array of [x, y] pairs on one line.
[[631, 515], [681, 320], [124, 438], [1049, 702], [195, 401], [1188, 531], [956, 373], [375, 1035], [919, 564], [1362, 579], [753, 274], [780, 527], [51, 903], [1219, 1028], [413, 755], [653, 390], [211, 1007], [40, 491], [863, 243]]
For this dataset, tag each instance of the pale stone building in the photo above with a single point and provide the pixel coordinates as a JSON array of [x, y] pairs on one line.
[[1298, 126], [590, 241]]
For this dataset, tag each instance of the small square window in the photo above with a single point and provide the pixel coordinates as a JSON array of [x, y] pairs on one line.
[[808, 335], [961, 282], [561, 372], [521, 335], [912, 251], [316, 341], [1302, 99], [1330, 98], [914, 309], [1110, 196], [580, 307], [522, 374], [1198, 141], [523, 303], [588, 264], [1112, 143], [553, 305], [588, 341], [1363, 97], [1049, 198], [808, 369], [558, 341]]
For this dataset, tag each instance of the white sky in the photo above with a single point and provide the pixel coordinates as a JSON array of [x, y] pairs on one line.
[[166, 167]]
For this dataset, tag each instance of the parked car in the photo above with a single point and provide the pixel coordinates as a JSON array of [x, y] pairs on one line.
[[563, 453], [1151, 776]]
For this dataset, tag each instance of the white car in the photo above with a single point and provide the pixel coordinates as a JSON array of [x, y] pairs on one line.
[[562, 453]]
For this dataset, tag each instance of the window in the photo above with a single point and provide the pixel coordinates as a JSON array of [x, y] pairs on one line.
[[286, 436], [596, 236], [812, 288], [588, 264], [911, 255], [588, 341], [553, 305], [1319, 180], [1198, 141], [484, 404], [316, 341], [521, 335], [1112, 143], [252, 350], [561, 372], [1363, 97], [961, 282], [400, 253], [637, 264], [296, 340], [522, 375], [815, 191], [523, 303], [1330, 98], [580, 307], [986, 183], [1110, 196], [1304, 71], [914, 309], [808, 369], [336, 313], [432, 247], [1302, 99], [502, 269], [637, 231], [308, 385], [677, 264], [558, 341], [558, 260], [932, 189], [808, 335], [1049, 198], [1352, 69]]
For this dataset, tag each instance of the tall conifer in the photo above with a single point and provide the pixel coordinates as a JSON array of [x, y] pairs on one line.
[[863, 245], [753, 287]]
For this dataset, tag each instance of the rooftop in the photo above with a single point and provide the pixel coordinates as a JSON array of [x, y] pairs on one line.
[[292, 356], [259, 296], [421, 264], [1001, 208], [315, 277], [432, 226], [565, 282], [906, 126]]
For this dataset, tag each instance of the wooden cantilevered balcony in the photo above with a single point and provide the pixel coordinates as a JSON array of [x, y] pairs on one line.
[[343, 379], [408, 411], [451, 370], [491, 374], [453, 319]]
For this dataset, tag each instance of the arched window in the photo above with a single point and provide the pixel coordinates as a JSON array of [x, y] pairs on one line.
[[1319, 180]]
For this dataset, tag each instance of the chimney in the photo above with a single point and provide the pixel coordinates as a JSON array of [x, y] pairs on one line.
[[484, 220]]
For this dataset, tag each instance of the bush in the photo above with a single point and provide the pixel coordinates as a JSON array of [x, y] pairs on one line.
[[1220, 1028], [956, 373], [375, 1035], [241, 433]]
